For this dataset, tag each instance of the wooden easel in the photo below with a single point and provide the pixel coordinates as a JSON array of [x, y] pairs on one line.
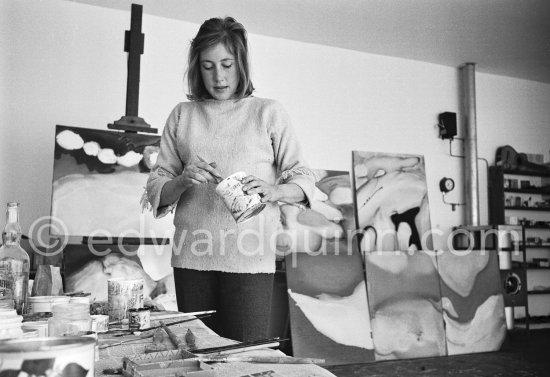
[[133, 44]]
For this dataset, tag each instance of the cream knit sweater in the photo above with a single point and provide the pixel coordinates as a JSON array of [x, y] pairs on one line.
[[253, 135]]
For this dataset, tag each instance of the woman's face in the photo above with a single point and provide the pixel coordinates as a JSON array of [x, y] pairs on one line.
[[219, 72]]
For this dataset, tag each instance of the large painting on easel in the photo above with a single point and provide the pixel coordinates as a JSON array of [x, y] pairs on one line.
[[328, 307], [391, 201], [99, 178]]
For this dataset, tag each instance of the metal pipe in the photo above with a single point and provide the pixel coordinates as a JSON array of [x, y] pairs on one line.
[[471, 181]]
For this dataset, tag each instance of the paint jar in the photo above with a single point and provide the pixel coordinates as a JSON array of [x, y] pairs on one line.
[[44, 304], [70, 320], [100, 323], [123, 294], [80, 299], [242, 206], [10, 324], [69, 356], [40, 326], [139, 319]]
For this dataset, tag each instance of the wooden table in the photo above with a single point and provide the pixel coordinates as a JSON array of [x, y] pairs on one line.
[[112, 357]]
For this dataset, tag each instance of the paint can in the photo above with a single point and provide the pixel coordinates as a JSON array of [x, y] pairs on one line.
[[100, 323], [123, 294], [139, 319], [10, 324], [64, 356], [40, 326], [44, 304], [242, 206], [80, 300]]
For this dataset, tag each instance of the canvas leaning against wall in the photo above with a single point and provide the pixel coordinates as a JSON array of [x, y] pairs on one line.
[[405, 304], [327, 295], [473, 303]]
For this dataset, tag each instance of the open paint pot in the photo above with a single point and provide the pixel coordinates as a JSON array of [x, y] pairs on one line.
[[242, 206], [123, 294], [65, 356], [44, 304]]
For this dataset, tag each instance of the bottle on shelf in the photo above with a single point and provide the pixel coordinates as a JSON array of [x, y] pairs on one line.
[[13, 259]]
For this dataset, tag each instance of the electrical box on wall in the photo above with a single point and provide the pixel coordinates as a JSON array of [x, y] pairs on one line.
[[447, 125]]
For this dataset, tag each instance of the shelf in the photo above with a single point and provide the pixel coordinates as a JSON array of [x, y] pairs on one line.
[[538, 227], [535, 246], [539, 292], [532, 326], [547, 209], [527, 173], [537, 319], [532, 190]]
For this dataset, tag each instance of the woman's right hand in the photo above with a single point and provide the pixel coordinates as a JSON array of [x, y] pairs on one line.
[[198, 173]]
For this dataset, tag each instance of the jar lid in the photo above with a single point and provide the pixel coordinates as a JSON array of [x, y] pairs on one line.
[[74, 307]]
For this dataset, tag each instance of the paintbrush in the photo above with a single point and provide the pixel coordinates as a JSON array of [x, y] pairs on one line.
[[217, 178], [266, 343], [197, 315], [262, 359]]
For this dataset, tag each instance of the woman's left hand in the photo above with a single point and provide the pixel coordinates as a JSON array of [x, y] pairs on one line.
[[254, 185]]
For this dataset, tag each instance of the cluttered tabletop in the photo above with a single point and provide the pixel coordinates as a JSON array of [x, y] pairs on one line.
[[179, 344]]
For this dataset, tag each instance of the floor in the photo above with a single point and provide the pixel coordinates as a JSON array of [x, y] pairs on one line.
[[524, 354]]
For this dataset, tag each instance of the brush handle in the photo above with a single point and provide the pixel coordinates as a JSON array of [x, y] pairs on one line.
[[213, 164], [264, 359]]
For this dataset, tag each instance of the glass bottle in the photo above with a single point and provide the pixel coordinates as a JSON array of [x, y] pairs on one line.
[[14, 259], [70, 319]]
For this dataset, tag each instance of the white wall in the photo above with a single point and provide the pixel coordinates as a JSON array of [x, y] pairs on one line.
[[63, 63]]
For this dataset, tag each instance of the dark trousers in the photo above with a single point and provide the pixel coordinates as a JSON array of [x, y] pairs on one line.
[[242, 301]]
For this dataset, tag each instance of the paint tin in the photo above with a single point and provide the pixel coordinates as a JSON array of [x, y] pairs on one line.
[[44, 304], [242, 206], [40, 326], [123, 294], [139, 319], [10, 324], [80, 300], [65, 356], [100, 323]]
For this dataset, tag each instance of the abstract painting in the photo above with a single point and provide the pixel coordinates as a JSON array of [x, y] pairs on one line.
[[99, 178], [328, 307], [405, 304], [391, 199], [473, 304], [89, 267]]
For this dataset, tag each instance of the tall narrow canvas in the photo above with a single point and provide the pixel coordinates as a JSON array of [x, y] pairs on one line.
[[327, 295], [473, 304], [405, 304]]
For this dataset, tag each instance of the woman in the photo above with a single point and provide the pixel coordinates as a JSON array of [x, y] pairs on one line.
[[218, 263]]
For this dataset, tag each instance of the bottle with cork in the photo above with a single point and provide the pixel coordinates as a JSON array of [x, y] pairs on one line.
[[14, 261]]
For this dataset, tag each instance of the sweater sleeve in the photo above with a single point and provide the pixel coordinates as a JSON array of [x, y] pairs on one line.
[[290, 162], [168, 166]]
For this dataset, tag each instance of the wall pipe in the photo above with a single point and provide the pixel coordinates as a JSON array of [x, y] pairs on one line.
[[471, 181]]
